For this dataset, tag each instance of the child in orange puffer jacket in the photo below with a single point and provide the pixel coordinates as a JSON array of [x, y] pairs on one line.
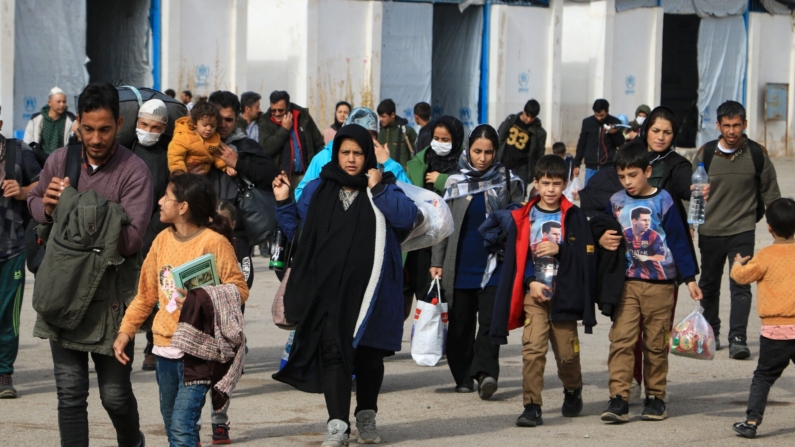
[[196, 145]]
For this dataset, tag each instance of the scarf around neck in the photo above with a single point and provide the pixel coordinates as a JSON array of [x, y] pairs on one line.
[[52, 131], [494, 182]]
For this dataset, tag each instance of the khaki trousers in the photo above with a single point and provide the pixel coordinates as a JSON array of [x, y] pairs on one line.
[[539, 331], [650, 303]]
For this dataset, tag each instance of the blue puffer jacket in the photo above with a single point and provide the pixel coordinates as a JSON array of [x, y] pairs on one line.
[[382, 325]]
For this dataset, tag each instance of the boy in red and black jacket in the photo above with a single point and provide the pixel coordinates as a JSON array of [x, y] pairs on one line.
[[549, 252]]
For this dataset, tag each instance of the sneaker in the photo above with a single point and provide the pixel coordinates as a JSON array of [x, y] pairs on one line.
[[617, 410], [7, 390], [465, 387], [530, 417], [365, 424], [654, 409], [150, 364], [634, 392], [572, 402], [221, 434], [487, 386], [337, 434], [745, 429], [738, 350]]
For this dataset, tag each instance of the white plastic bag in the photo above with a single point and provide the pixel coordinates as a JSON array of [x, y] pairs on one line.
[[693, 337], [429, 330], [434, 220], [573, 189]]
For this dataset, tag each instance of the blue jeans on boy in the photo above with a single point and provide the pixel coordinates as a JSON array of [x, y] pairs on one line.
[[589, 173], [180, 405]]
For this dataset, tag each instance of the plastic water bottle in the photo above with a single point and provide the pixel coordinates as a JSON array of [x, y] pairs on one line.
[[698, 206]]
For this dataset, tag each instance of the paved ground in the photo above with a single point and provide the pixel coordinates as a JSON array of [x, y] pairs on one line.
[[418, 405]]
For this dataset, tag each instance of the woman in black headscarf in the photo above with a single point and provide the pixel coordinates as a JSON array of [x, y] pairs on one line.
[[345, 285], [430, 170], [341, 111]]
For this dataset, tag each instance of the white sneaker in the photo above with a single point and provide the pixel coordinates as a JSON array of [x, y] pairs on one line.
[[635, 392], [365, 424], [337, 434]]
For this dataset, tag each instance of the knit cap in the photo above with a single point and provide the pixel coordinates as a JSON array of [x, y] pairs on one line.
[[56, 91], [154, 109], [363, 117]]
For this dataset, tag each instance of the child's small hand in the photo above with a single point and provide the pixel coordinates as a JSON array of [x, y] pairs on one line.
[[231, 171], [738, 259], [539, 291], [695, 291]]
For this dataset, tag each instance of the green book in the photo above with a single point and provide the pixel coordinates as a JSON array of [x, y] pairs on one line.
[[197, 273]]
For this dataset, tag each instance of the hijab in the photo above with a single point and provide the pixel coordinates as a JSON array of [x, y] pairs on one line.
[[447, 164], [338, 124], [660, 112], [332, 171]]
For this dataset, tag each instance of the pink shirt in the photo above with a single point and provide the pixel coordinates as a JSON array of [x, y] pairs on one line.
[[778, 331]]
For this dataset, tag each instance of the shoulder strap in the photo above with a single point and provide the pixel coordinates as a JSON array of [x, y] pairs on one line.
[[758, 156], [11, 159], [74, 158], [708, 153]]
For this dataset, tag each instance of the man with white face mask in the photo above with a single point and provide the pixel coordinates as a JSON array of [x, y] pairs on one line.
[[152, 120]]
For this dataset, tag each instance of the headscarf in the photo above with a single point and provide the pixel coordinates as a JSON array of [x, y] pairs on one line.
[[494, 181], [447, 164], [333, 171], [337, 124], [363, 117]]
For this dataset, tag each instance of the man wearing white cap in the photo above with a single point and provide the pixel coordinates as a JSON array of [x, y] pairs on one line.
[[51, 128], [152, 120]]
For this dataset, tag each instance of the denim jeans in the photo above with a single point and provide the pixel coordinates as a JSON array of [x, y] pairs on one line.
[[774, 357], [589, 173], [180, 405], [115, 391]]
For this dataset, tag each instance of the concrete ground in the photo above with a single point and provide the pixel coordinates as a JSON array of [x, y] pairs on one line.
[[417, 405]]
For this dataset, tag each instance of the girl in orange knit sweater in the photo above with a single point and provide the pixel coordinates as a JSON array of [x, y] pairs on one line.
[[772, 268], [189, 205]]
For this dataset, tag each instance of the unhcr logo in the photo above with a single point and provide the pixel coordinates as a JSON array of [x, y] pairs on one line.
[[465, 115], [437, 111], [524, 82], [202, 75], [30, 104], [630, 83]]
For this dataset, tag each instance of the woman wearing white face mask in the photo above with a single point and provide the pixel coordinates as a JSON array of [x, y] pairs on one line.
[[634, 127], [152, 120], [429, 170]]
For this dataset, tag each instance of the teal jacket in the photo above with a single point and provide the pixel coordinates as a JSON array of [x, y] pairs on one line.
[[324, 156], [84, 285]]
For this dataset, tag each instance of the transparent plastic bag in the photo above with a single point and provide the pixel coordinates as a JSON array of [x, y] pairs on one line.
[[434, 220], [572, 191], [693, 337]]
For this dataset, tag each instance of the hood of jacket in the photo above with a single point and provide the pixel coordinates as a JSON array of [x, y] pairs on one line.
[[643, 108]]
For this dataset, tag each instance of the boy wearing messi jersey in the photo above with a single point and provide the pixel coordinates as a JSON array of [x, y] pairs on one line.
[[550, 254], [658, 259]]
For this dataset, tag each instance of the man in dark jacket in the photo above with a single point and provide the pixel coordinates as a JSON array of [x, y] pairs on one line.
[[15, 183], [116, 174], [289, 135], [422, 116], [522, 141], [599, 140], [150, 147], [395, 133], [249, 119]]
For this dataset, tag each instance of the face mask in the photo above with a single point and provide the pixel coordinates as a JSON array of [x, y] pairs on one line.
[[147, 138], [640, 119], [441, 149]]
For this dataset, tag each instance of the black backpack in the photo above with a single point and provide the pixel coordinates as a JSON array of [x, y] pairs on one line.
[[34, 246], [758, 158]]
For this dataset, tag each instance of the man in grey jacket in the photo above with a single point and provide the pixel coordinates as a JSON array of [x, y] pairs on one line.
[[116, 174]]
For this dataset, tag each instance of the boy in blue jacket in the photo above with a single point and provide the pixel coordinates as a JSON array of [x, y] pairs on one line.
[[550, 254], [658, 259]]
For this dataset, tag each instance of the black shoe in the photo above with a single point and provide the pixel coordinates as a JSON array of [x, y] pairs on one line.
[[738, 349], [654, 409], [467, 387], [531, 416], [487, 386], [718, 347], [7, 390], [572, 402], [617, 410], [745, 429], [221, 434]]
